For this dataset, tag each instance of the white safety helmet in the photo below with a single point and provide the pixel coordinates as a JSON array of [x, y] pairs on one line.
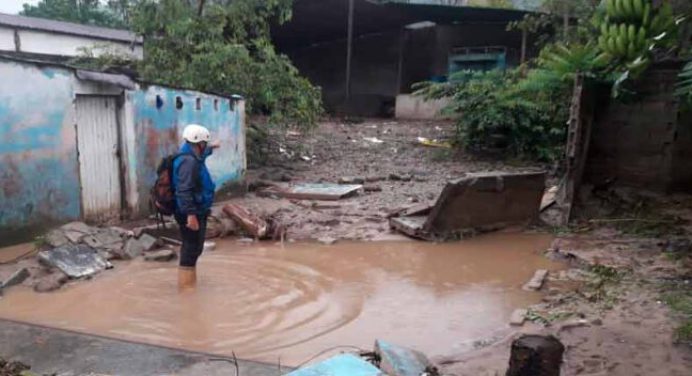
[[195, 133]]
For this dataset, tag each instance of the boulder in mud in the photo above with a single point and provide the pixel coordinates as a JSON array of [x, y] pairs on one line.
[[51, 282], [134, 247]]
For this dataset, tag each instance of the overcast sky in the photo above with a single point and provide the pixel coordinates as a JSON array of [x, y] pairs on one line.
[[14, 6]]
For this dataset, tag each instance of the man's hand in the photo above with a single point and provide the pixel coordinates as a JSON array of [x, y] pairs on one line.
[[192, 222], [215, 144]]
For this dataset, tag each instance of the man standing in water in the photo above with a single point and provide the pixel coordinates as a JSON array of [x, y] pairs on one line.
[[194, 195]]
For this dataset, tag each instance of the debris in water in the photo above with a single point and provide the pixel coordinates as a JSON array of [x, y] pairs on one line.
[[15, 279], [536, 281], [209, 246], [134, 247], [518, 317], [163, 255], [76, 261], [51, 282], [340, 365], [251, 223], [401, 361]]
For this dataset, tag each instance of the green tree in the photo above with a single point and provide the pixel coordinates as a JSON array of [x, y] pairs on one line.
[[224, 46], [90, 12]]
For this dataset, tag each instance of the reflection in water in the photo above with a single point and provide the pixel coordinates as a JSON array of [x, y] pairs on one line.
[[268, 301]]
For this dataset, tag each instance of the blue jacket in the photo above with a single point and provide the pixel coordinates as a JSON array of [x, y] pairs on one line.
[[194, 188]]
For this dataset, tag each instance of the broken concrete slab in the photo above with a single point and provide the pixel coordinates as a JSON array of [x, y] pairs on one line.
[[401, 361], [163, 255], [56, 238], [75, 260], [16, 278], [251, 223], [134, 247], [316, 191], [518, 317], [340, 365], [479, 202], [536, 281], [78, 227]]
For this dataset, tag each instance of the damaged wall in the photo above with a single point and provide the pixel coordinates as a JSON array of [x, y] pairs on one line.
[[39, 157], [39, 174], [646, 142], [159, 116]]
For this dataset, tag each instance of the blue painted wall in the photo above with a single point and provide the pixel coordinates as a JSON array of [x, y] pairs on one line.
[[159, 124], [39, 172]]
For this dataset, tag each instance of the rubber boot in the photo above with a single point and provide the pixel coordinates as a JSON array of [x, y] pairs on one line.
[[187, 278]]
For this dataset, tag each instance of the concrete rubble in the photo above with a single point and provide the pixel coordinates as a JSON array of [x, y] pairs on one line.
[[477, 202], [401, 361], [518, 317], [536, 282], [77, 261], [162, 255], [15, 279]]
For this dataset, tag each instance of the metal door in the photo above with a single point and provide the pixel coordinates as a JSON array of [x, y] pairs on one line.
[[99, 164]]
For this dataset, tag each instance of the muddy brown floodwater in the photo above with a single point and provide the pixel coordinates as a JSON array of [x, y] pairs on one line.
[[292, 301]]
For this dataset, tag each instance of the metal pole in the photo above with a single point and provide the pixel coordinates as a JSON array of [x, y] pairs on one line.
[[349, 49]]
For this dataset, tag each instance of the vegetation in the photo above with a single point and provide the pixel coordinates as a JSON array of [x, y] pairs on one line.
[[524, 112], [220, 46], [680, 301]]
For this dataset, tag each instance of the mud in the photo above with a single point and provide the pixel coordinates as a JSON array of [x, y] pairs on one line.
[[266, 302]]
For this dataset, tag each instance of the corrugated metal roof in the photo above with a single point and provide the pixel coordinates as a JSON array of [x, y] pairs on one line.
[[60, 27]]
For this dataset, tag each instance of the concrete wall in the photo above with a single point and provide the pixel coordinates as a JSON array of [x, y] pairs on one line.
[[409, 106], [41, 42], [644, 143], [39, 174], [157, 132], [39, 168]]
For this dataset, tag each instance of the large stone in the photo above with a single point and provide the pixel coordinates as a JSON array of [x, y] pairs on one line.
[[16, 278], [518, 317], [401, 361], [51, 282], [163, 255], [56, 238], [536, 281], [134, 247], [76, 261], [340, 365]]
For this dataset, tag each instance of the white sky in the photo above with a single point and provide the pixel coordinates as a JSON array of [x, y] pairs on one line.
[[14, 6]]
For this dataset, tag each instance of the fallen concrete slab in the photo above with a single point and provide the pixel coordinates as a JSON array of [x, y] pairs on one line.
[[76, 261], [476, 203], [401, 361], [340, 365], [322, 192]]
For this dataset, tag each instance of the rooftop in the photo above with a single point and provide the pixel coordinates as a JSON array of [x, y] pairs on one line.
[[60, 27]]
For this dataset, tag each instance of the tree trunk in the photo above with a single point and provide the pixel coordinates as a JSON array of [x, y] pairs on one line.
[[534, 355], [200, 8]]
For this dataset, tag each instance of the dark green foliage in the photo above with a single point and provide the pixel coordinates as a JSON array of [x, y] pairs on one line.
[[226, 49], [90, 12]]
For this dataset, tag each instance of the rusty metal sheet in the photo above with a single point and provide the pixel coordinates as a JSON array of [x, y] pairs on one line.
[[324, 192]]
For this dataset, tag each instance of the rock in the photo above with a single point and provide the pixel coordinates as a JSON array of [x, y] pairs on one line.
[[536, 281], [398, 177], [16, 278], [74, 236], [76, 261], [518, 317], [327, 240], [56, 238], [163, 255], [136, 246], [374, 179], [573, 324], [597, 322], [534, 355], [78, 227], [372, 188], [51, 282], [347, 180], [401, 361], [209, 246]]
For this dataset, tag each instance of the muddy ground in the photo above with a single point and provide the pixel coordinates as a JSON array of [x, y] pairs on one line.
[[611, 309], [379, 151]]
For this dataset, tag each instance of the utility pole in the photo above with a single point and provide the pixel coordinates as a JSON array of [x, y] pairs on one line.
[[349, 49]]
